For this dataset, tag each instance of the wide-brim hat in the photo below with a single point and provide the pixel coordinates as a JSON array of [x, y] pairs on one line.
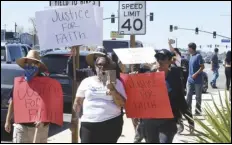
[[32, 55], [90, 59]]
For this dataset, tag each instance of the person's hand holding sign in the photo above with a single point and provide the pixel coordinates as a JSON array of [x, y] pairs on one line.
[[7, 127], [110, 87]]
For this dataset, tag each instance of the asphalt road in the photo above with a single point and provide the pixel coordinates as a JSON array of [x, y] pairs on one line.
[[54, 129]]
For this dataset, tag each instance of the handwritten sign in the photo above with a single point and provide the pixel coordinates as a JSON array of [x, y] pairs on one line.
[[147, 96], [41, 99], [70, 26], [136, 55]]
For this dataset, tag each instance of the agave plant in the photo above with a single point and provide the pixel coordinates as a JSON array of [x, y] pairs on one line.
[[218, 118]]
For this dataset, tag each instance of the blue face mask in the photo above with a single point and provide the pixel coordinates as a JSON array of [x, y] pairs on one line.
[[30, 71]]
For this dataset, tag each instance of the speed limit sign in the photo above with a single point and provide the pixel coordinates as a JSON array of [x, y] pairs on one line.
[[132, 18]]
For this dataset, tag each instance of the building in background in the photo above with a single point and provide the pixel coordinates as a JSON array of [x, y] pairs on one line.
[[3, 36], [27, 38]]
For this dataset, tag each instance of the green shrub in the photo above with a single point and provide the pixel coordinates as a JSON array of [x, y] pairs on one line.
[[218, 118]]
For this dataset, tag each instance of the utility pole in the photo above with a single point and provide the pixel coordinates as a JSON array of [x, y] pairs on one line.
[[15, 30]]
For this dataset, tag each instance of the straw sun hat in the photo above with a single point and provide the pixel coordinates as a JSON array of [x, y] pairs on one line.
[[32, 55], [91, 58]]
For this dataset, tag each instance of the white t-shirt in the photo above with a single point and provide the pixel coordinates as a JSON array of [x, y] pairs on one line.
[[97, 106], [178, 60]]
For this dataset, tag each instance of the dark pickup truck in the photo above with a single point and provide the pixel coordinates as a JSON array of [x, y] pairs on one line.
[[57, 63]]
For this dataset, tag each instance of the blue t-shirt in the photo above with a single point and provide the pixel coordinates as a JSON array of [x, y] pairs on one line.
[[194, 65]]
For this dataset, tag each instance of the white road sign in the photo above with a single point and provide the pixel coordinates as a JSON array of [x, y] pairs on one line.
[[132, 18], [70, 3]]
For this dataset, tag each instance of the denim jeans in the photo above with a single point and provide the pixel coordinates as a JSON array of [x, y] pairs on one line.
[[215, 76], [139, 133], [159, 130], [198, 91]]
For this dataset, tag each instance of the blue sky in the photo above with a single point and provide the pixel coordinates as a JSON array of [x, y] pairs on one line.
[[204, 15]]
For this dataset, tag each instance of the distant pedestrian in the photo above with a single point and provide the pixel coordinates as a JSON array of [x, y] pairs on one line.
[[102, 101], [227, 65], [195, 78], [214, 68]]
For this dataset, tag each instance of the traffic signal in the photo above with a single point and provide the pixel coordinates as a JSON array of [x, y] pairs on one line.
[[216, 45], [151, 17], [214, 34], [210, 45], [200, 46], [226, 46], [171, 28], [112, 18], [196, 31]]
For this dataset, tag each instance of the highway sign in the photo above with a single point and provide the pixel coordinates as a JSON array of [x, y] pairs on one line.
[[68, 3], [114, 34], [132, 18], [225, 40]]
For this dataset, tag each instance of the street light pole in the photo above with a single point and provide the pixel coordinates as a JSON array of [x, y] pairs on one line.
[[202, 31]]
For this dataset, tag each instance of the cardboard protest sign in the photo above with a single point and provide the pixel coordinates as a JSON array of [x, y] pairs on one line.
[[136, 55], [147, 96], [41, 99], [70, 26]]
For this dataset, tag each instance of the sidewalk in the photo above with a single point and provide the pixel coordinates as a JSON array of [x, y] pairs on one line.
[[128, 129]]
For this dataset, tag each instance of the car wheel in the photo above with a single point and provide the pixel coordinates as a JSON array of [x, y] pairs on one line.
[[205, 85]]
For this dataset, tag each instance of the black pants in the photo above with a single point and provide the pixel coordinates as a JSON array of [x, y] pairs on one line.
[[103, 132], [159, 131], [228, 77]]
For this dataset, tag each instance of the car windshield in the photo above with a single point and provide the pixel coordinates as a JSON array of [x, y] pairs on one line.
[[3, 53], [110, 45], [15, 52], [61, 63]]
